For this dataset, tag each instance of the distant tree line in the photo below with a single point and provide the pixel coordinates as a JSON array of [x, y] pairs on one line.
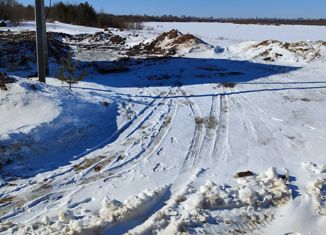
[[81, 14], [85, 14], [14, 11], [264, 21]]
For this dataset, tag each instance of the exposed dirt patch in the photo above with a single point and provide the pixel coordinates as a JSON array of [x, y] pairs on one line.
[[6, 200], [87, 163], [97, 168], [116, 39], [5, 79], [244, 174], [170, 35], [211, 123], [18, 50], [187, 38], [229, 85]]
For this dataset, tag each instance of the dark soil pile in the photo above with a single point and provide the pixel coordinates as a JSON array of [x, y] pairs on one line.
[[167, 44], [18, 51]]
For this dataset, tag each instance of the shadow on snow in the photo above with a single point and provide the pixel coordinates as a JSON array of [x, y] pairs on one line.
[[138, 73]]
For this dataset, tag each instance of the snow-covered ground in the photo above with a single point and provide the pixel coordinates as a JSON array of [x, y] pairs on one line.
[[54, 27], [228, 31], [221, 139]]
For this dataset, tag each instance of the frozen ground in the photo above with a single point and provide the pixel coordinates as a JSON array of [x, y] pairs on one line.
[[228, 139]]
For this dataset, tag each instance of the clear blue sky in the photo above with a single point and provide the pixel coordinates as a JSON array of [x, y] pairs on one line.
[[215, 8]]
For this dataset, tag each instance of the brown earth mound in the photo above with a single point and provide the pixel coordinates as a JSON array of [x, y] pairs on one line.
[[167, 44]]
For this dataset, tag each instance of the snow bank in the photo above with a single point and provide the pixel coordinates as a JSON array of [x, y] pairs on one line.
[[249, 203], [20, 104], [112, 212], [276, 51], [36, 118]]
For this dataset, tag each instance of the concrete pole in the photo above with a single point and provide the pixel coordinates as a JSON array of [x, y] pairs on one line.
[[41, 44], [46, 49]]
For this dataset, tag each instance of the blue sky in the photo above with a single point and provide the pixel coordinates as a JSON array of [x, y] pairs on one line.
[[215, 8]]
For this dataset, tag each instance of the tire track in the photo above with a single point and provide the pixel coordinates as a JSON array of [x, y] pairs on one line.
[[126, 135], [272, 133], [221, 145], [40, 192], [193, 154]]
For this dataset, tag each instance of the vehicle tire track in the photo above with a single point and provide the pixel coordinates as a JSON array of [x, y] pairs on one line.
[[193, 154], [36, 193], [221, 145]]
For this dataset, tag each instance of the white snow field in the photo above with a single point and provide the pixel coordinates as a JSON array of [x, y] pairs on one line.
[[227, 136]]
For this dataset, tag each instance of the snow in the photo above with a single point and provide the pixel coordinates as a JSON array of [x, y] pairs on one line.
[[53, 27], [219, 202], [217, 140], [22, 106], [228, 31]]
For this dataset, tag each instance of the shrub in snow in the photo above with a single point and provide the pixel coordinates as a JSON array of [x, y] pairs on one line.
[[3, 23], [68, 71]]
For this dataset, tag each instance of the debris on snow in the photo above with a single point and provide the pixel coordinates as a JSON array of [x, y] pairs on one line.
[[243, 174], [314, 168], [318, 193], [272, 51]]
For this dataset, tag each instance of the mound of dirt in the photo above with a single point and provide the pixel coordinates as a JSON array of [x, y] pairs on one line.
[[98, 38], [101, 41], [272, 50], [18, 50], [170, 43]]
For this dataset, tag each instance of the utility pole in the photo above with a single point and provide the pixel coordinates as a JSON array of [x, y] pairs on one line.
[[41, 41]]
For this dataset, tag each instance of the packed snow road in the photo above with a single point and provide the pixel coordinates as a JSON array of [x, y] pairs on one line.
[[206, 141]]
